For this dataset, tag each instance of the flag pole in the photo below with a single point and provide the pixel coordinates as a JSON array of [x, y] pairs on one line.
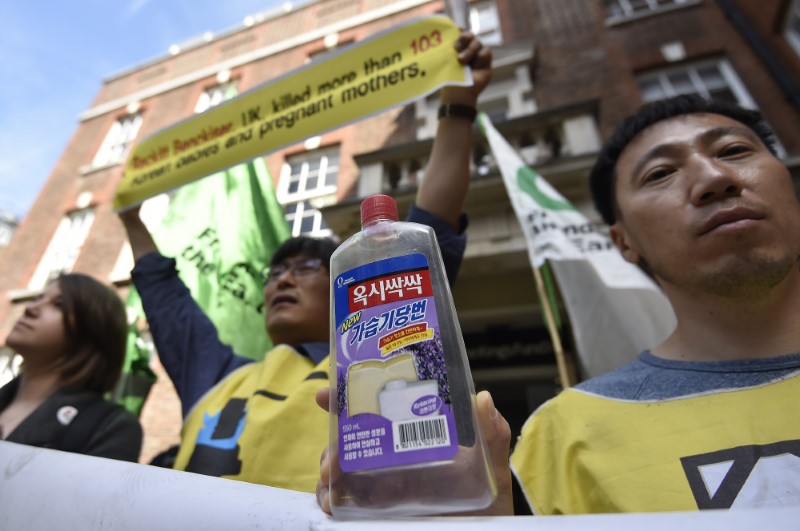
[[565, 373]]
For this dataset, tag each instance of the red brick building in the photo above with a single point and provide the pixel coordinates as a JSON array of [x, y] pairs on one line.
[[566, 72]]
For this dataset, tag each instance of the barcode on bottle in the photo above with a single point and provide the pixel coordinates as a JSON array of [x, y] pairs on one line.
[[420, 434]]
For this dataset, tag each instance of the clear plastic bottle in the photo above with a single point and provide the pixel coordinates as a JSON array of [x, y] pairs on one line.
[[404, 437]]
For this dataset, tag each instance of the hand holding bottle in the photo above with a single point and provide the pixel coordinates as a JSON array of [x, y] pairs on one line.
[[498, 437]]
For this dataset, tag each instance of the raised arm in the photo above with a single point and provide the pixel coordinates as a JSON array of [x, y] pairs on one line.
[[186, 339], [443, 189], [139, 237]]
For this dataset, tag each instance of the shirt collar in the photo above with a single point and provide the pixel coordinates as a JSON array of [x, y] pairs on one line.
[[316, 350]]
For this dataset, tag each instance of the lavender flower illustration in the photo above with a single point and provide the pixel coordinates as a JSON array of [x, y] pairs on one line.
[[429, 359], [341, 391]]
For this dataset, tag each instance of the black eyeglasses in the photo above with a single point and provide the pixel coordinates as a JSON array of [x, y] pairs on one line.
[[299, 268]]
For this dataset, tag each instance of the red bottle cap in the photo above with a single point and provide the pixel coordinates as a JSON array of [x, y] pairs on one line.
[[378, 206]]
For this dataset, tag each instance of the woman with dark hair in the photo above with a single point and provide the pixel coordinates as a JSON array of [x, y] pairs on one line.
[[72, 340]]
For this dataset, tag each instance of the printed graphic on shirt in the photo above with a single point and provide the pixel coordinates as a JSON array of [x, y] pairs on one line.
[[746, 476], [216, 451]]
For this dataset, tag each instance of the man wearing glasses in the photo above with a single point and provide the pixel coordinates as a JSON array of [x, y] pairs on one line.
[[258, 421]]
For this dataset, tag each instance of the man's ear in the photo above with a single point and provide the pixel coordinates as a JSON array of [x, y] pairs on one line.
[[619, 235]]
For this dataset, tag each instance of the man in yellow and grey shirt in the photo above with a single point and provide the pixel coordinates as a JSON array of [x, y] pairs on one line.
[[695, 195], [663, 434]]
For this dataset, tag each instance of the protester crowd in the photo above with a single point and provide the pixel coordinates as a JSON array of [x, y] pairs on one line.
[[693, 193]]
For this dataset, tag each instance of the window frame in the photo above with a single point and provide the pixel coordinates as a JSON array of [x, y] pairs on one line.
[[296, 218], [10, 365], [65, 246], [115, 145], [304, 198], [303, 193], [489, 37], [216, 94], [732, 80], [654, 7]]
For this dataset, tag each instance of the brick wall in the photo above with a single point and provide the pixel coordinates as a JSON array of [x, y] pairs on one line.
[[161, 417], [579, 57]]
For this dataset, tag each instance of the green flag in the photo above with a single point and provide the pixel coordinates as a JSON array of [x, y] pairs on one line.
[[137, 378], [222, 232]]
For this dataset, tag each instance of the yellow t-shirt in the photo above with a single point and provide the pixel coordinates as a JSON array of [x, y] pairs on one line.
[[261, 424], [584, 453]]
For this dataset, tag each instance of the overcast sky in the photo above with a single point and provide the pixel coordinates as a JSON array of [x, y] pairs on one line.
[[55, 56]]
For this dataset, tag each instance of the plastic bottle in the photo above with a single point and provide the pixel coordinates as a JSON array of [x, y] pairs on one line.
[[404, 436]]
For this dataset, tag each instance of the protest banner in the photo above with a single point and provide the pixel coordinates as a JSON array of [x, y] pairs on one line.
[[83, 492], [615, 309], [386, 70]]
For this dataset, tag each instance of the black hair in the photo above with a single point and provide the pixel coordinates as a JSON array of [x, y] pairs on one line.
[[321, 248], [96, 325], [602, 179]]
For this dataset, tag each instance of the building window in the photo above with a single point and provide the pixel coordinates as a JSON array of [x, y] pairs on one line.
[[305, 219], [710, 79], [118, 140], [64, 248], [625, 9], [485, 23], [793, 26], [306, 180], [8, 224], [215, 95], [10, 364]]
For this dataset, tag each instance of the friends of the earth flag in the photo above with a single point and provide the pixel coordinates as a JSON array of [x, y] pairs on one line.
[[615, 309], [222, 232], [391, 68]]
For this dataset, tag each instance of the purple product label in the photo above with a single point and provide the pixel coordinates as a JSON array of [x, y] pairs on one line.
[[393, 395]]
